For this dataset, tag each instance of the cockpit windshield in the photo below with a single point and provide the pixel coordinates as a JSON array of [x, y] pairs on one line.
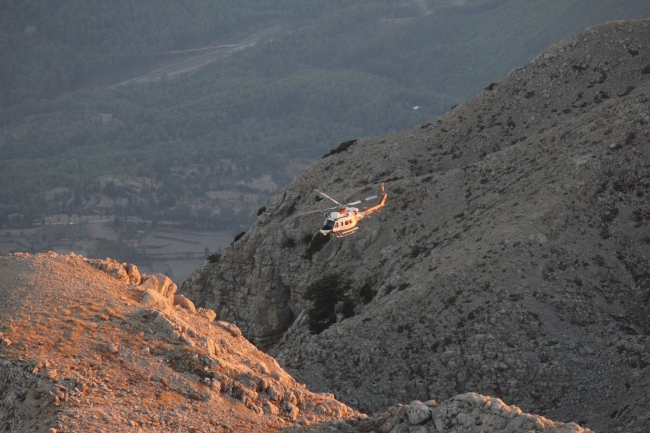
[[328, 224]]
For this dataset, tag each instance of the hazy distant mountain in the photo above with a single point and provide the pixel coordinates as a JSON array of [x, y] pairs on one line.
[[312, 75]]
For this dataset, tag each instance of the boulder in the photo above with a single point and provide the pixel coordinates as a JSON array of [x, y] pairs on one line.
[[112, 267], [207, 313], [167, 327], [292, 411], [232, 328], [182, 301], [154, 299], [418, 413], [133, 273], [162, 284]]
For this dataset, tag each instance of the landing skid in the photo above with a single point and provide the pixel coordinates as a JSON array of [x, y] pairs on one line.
[[345, 233]]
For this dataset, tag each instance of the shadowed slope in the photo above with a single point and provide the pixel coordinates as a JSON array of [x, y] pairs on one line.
[[510, 260]]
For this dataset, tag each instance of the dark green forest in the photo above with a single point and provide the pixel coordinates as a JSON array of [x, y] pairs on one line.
[[335, 71]]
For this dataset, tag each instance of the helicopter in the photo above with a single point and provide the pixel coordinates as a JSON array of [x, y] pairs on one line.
[[343, 221]]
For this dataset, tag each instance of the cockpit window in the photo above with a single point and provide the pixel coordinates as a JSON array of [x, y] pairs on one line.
[[328, 224]]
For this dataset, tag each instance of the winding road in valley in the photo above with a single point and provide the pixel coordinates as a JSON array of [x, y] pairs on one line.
[[214, 52]]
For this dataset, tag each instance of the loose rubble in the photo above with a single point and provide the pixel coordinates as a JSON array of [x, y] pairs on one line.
[[468, 412]]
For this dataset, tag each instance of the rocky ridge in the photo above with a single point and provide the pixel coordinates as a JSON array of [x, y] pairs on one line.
[[511, 259], [468, 412], [464, 413], [84, 350]]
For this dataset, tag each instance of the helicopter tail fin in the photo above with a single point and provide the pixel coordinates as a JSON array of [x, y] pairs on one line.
[[376, 207]]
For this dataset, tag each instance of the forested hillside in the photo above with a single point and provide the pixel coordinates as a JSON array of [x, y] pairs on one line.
[[335, 71], [50, 47]]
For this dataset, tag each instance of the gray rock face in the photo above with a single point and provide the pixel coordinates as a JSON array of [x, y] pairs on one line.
[[469, 412], [510, 260], [263, 299]]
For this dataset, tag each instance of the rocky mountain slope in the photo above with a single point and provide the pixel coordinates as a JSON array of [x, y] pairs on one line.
[[91, 345], [510, 260], [90, 350]]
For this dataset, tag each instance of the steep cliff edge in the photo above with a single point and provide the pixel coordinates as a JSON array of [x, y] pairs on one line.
[[84, 350], [511, 259]]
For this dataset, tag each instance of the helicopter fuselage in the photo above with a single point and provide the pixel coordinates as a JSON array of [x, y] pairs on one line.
[[341, 223], [344, 221]]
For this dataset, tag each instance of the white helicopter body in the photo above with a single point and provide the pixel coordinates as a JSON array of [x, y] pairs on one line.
[[344, 220]]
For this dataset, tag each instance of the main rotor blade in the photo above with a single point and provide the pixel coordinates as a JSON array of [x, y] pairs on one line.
[[318, 210], [327, 196], [362, 200]]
